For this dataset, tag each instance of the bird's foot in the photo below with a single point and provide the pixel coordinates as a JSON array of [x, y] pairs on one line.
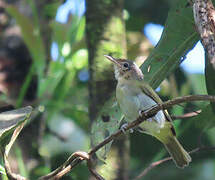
[[124, 127], [141, 112]]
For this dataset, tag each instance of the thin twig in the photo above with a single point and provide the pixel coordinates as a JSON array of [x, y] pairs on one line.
[[187, 115], [93, 172], [151, 166], [145, 115], [155, 164], [67, 169]]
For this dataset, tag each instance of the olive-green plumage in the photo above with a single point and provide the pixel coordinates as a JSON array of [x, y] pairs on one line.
[[134, 96]]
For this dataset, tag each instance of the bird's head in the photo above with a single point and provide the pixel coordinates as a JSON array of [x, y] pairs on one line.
[[125, 69]]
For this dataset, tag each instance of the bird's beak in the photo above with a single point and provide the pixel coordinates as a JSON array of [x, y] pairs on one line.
[[112, 59]]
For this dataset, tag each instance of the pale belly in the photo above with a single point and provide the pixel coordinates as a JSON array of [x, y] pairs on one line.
[[132, 101]]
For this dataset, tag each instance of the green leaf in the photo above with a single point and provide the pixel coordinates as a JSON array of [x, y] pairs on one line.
[[179, 36], [2, 170], [51, 8], [9, 121], [206, 119], [107, 123], [20, 162], [197, 83], [54, 76], [71, 32], [79, 59], [210, 79], [80, 29]]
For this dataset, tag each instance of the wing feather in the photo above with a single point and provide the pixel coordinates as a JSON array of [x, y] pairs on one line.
[[147, 89]]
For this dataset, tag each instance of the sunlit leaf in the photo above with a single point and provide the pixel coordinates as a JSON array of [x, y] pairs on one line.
[[80, 59], [71, 32], [2, 170], [80, 29], [55, 74], [74, 27]]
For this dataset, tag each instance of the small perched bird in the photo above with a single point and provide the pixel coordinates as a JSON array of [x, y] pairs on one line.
[[134, 96]]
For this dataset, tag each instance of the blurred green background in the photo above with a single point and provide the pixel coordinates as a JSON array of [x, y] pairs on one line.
[[51, 57]]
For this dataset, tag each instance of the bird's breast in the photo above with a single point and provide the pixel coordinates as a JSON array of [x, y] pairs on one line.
[[132, 100]]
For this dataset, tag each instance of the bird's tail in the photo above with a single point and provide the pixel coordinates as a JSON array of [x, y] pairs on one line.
[[178, 153]]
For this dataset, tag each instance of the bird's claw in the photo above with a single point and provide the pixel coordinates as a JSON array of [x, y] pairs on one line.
[[124, 127], [140, 112]]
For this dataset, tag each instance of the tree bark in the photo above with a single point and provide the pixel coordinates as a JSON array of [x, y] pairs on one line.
[[105, 33], [204, 12]]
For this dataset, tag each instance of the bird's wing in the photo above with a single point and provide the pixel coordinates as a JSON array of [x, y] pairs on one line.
[[150, 92], [147, 89]]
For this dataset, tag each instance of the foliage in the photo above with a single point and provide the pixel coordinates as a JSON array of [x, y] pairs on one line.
[[11, 123]]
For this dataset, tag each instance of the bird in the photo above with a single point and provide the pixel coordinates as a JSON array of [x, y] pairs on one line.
[[134, 95]]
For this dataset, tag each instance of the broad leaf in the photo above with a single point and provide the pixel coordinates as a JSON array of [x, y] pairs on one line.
[[179, 36], [9, 121], [206, 119], [2, 170], [107, 123]]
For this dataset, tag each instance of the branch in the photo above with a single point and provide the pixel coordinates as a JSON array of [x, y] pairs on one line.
[[74, 160], [155, 164], [187, 115]]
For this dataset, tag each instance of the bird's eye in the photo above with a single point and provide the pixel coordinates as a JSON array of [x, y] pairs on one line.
[[126, 65]]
